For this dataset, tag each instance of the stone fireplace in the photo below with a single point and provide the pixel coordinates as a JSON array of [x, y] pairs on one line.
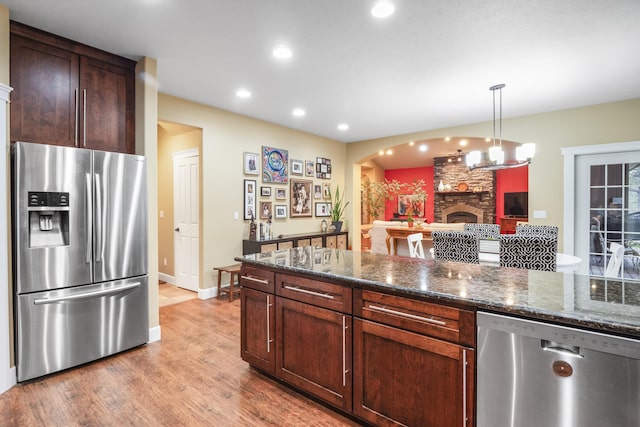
[[472, 197], [462, 212]]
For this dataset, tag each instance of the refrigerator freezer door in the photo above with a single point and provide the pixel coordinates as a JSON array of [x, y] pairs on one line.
[[64, 328], [52, 244], [120, 215]]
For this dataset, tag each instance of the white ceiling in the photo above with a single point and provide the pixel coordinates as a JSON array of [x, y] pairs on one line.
[[428, 66]]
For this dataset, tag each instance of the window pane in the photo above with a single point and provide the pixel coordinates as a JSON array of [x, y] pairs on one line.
[[597, 198], [614, 175], [614, 196], [597, 175]]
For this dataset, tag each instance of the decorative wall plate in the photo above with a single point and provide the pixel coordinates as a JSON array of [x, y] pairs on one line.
[[463, 186]]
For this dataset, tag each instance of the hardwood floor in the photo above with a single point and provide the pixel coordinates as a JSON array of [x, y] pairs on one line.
[[194, 376], [170, 294]]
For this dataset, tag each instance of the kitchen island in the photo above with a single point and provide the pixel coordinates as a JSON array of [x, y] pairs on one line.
[[392, 340]]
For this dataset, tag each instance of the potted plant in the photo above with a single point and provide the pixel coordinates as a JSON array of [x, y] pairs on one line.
[[376, 193], [337, 209]]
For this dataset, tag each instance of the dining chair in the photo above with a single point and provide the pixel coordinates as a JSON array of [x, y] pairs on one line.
[[461, 246], [537, 230], [415, 245], [484, 231], [528, 252], [614, 266]]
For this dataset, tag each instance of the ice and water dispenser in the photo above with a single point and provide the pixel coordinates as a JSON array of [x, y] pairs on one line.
[[48, 219]]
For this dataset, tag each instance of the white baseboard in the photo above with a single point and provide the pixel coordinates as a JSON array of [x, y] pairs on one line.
[[167, 278], [154, 334], [208, 293], [9, 381]]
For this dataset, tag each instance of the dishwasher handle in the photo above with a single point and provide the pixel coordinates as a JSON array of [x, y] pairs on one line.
[[570, 350]]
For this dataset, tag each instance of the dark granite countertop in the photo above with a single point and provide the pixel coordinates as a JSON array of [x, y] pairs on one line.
[[565, 298]]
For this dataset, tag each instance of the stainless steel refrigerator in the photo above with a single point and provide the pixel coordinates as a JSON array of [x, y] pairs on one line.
[[79, 256]]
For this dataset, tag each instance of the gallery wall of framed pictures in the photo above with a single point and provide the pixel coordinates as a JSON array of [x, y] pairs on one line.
[[288, 189]]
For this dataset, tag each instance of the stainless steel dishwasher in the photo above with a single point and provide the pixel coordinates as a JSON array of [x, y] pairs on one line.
[[541, 375]]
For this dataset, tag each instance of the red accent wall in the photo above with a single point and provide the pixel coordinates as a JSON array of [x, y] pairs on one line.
[[507, 181], [407, 176]]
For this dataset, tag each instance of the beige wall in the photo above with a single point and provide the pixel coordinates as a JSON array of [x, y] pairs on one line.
[[147, 145], [225, 137], [172, 139], [598, 124]]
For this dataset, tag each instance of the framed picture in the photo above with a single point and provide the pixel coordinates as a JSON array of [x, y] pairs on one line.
[[251, 163], [323, 168], [280, 211], [296, 167], [323, 209], [265, 191], [275, 165], [250, 198], [265, 210], [309, 169], [326, 191], [300, 197], [317, 191], [281, 194], [406, 200]]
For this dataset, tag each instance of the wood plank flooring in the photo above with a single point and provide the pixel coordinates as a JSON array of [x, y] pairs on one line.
[[192, 377]]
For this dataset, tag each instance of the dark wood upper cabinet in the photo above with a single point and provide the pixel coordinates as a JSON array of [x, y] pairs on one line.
[[66, 93]]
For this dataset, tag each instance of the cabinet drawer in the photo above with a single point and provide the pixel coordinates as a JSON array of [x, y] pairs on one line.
[[332, 242], [269, 247], [256, 278], [342, 241], [448, 323], [316, 242], [304, 242], [316, 292], [285, 245]]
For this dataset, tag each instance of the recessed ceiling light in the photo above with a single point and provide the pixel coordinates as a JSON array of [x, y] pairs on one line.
[[383, 9], [411, 143], [389, 152], [343, 126], [381, 152], [487, 139], [447, 139], [299, 112], [423, 147], [282, 52], [463, 143], [243, 93]]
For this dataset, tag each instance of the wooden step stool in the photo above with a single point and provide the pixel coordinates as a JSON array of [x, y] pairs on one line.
[[234, 278]]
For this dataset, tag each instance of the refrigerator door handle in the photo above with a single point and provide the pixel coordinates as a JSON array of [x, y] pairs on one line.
[[92, 294], [89, 219], [98, 224]]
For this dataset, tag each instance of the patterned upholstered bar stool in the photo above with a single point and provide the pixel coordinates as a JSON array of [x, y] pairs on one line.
[[528, 252], [537, 230], [461, 246], [484, 231]]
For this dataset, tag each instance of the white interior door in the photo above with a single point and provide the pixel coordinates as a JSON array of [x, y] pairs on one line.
[[186, 218]]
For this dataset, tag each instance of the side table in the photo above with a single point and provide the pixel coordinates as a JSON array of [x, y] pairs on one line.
[[234, 277]]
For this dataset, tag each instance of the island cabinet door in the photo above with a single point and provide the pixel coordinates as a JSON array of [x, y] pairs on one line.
[[257, 330], [403, 378], [314, 350]]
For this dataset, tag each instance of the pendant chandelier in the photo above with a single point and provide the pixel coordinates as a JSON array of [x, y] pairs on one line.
[[495, 158]]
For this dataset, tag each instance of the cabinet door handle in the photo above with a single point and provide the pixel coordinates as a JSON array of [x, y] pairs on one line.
[[410, 316], [268, 324], [251, 279], [464, 388], [84, 117], [306, 291], [75, 139], [344, 351]]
